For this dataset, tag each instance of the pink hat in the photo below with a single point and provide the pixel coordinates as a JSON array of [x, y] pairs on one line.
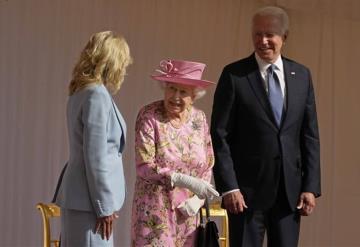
[[181, 72]]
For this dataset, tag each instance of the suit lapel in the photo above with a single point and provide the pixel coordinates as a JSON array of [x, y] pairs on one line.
[[256, 84], [120, 120], [122, 125], [290, 82]]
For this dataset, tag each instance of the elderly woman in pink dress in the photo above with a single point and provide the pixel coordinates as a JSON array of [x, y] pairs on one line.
[[174, 159]]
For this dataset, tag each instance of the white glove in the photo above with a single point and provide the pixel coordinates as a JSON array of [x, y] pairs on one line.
[[191, 206], [198, 186]]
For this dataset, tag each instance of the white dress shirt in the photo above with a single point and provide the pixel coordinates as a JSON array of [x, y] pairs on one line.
[[279, 70]]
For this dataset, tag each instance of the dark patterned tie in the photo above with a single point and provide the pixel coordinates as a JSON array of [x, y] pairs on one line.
[[275, 95]]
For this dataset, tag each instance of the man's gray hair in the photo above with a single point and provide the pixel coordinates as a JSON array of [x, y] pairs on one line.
[[276, 12]]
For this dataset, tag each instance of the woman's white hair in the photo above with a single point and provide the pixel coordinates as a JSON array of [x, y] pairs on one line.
[[198, 91]]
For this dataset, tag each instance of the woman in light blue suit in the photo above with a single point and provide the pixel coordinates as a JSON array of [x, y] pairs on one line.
[[93, 185]]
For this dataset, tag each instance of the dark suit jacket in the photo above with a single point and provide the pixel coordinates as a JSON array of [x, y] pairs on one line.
[[250, 150]]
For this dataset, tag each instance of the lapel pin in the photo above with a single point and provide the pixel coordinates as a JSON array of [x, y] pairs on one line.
[[293, 73]]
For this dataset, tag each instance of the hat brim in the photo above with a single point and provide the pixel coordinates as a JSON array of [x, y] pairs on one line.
[[184, 81]]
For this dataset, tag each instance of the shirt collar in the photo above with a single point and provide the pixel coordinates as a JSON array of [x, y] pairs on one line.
[[263, 65]]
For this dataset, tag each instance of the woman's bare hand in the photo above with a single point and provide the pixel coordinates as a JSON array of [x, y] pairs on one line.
[[104, 225]]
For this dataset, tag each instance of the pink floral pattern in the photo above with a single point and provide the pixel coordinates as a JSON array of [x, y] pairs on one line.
[[161, 149]]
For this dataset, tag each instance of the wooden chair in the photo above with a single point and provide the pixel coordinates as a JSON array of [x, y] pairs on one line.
[[48, 211], [216, 211]]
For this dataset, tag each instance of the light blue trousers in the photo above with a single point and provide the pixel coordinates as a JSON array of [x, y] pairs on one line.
[[77, 230]]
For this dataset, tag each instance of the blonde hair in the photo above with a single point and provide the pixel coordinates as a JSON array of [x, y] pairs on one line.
[[103, 60]]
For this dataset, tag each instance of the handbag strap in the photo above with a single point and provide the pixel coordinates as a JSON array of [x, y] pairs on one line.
[[59, 183]]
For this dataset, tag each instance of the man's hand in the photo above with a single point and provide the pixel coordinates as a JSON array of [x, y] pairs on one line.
[[306, 203], [234, 202], [104, 225]]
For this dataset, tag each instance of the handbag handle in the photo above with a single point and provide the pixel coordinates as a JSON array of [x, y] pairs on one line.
[[207, 214]]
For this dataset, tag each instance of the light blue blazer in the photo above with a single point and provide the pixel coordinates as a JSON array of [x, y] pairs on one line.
[[94, 178]]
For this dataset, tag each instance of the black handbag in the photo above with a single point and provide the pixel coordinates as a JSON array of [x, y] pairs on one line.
[[208, 234]]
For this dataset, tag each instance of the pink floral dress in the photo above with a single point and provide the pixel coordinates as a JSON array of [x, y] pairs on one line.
[[161, 149]]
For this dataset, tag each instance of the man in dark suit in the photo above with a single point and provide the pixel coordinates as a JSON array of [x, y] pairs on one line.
[[265, 135]]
